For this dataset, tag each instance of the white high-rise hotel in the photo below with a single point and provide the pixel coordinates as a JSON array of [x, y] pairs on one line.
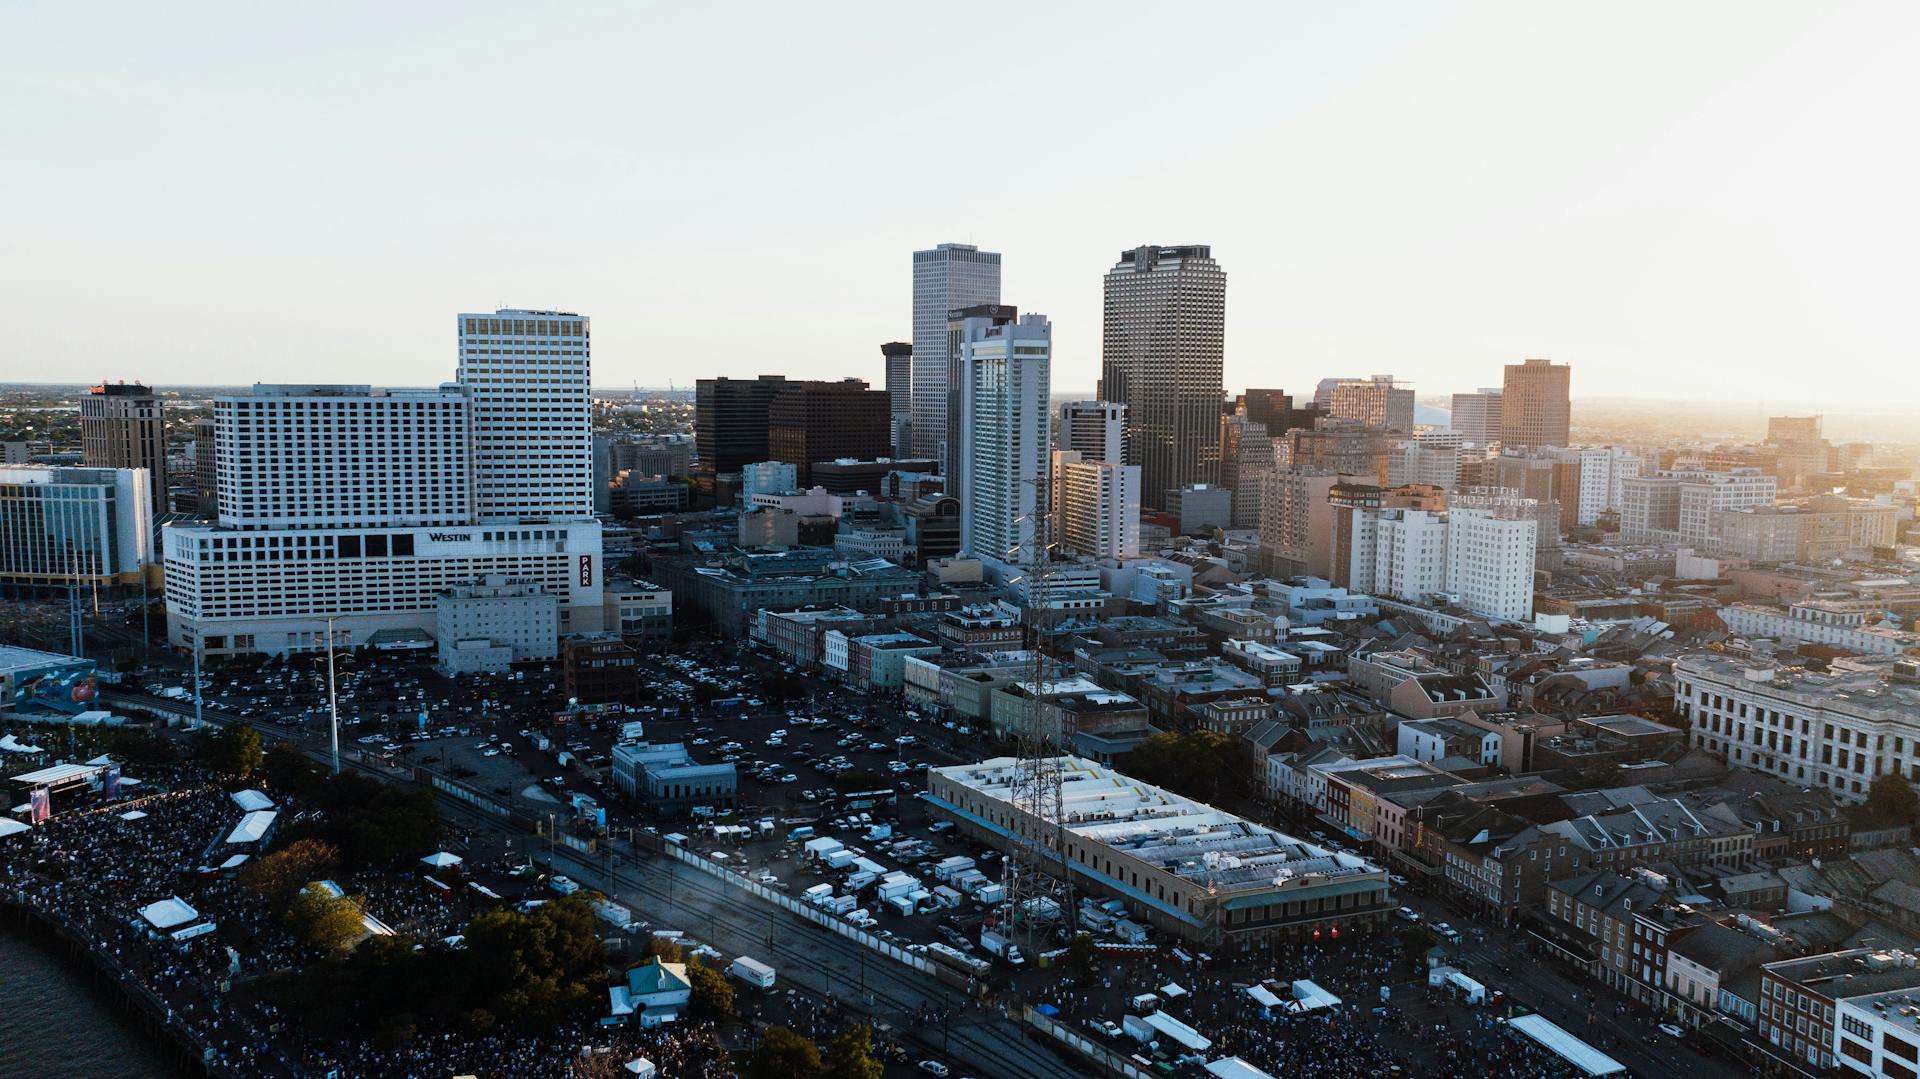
[[1006, 378], [367, 504], [946, 278]]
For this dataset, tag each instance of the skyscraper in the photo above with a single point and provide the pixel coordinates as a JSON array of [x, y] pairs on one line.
[[1096, 430], [527, 376], [964, 324], [1160, 355], [1477, 416], [945, 279], [123, 425], [810, 422], [1535, 404], [899, 360], [730, 421], [1375, 402], [1007, 372]]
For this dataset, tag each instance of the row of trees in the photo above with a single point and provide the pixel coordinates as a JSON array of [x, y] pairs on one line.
[[1213, 768], [785, 1055]]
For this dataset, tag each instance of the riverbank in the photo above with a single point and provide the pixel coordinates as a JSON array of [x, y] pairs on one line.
[[154, 1043]]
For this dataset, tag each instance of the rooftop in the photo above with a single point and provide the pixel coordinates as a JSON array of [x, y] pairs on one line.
[[1190, 839]]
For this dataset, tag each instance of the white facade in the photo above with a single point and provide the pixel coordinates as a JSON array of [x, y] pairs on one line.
[[270, 592], [1817, 623], [1400, 553], [1604, 471], [1418, 461], [1876, 1034], [527, 375], [767, 478], [1096, 506], [1682, 505], [1477, 416], [488, 626], [1096, 430], [1005, 439], [1833, 731], [945, 279], [295, 456], [1490, 563], [368, 506], [74, 525]]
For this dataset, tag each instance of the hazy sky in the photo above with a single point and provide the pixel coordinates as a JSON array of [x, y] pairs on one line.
[[1680, 199]]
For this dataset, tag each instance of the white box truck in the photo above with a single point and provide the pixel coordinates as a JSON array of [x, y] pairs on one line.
[[998, 944], [752, 971]]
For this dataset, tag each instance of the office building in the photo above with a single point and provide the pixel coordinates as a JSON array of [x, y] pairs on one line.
[[1490, 561], [1686, 507], [1344, 446], [1272, 409], [1374, 402], [1201, 508], [1096, 506], [1846, 625], [1246, 456], [1833, 730], [490, 625], [1477, 416], [1296, 524], [730, 422], [1424, 460], [91, 527], [1536, 404], [946, 278], [1357, 510], [1007, 370], [526, 375], [878, 476], [1594, 481], [370, 505], [1815, 530], [123, 425], [809, 422], [1163, 335], [206, 474], [1096, 430], [1793, 430], [767, 478], [898, 356]]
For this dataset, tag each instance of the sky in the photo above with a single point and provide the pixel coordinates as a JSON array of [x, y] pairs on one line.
[[1688, 201]]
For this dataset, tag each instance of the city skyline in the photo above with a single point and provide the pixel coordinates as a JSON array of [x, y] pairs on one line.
[[1735, 206]]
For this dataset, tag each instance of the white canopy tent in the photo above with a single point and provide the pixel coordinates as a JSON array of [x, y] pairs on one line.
[[1307, 996], [442, 860], [1571, 1049], [1263, 996], [168, 913], [252, 827], [252, 801], [1235, 1068], [1179, 1032], [9, 826], [642, 1068]]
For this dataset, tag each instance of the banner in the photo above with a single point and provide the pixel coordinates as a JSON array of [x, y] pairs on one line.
[[42, 801], [110, 784]]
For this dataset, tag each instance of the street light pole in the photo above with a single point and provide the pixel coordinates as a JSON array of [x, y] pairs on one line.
[[333, 701], [199, 717]]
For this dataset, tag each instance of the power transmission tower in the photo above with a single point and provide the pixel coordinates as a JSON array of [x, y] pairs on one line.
[[1039, 871]]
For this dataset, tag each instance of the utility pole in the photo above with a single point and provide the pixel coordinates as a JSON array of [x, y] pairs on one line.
[[199, 715], [333, 701]]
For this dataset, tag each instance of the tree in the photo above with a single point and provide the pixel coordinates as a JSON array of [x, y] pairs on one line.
[[712, 993], [665, 949], [784, 1055], [1205, 765], [323, 921], [288, 771], [535, 966], [851, 1056], [233, 750], [279, 877], [137, 746], [1891, 798]]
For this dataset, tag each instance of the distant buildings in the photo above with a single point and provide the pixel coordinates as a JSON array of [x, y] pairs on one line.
[[1477, 416], [1374, 402], [730, 421], [808, 422], [123, 425], [1687, 506], [946, 278], [1096, 430], [1161, 348], [1096, 506], [898, 356], [1536, 405]]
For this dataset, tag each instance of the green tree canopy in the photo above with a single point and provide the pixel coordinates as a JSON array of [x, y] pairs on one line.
[[851, 1056], [279, 877], [712, 993], [233, 750], [323, 921], [1214, 768], [1891, 798], [784, 1055]]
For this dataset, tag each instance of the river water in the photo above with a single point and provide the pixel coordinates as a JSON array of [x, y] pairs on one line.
[[56, 1020]]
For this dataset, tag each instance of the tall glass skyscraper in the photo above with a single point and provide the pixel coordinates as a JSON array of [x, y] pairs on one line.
[[945, 278], [1160, 355]]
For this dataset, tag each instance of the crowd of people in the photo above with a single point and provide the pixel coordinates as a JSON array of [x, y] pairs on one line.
[[91, 869]]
